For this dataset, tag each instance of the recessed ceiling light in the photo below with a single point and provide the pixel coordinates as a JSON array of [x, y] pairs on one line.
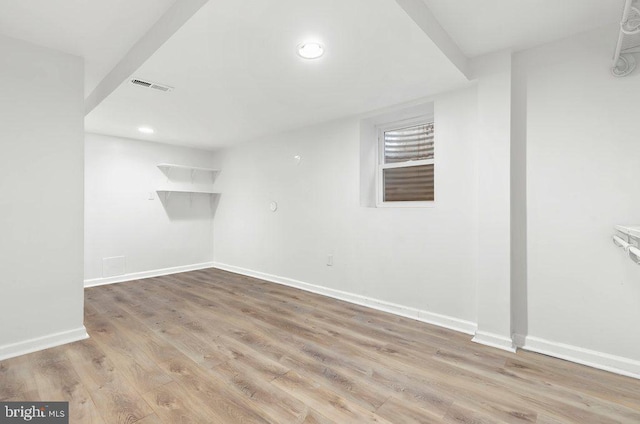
[[310, 50], [146, 130]]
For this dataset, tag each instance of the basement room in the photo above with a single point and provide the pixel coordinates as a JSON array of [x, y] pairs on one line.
[[337, 211]]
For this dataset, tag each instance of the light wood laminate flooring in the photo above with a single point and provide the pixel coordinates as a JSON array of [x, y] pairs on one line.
[[216, 347]]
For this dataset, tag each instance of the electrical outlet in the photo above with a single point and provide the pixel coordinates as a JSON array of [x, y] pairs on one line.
[[330, 260]]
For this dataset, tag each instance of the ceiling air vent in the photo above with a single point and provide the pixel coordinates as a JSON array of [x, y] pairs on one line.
[[161, 87], [149, 84]]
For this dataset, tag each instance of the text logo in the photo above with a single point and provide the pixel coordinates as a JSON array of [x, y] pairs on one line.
[[34, 412]]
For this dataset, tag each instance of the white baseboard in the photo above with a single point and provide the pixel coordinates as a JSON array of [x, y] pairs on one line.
[[41, 343], [445, 321], [146, 274], [591, 358], [494, 340]]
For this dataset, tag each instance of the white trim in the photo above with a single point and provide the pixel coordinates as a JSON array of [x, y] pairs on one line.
[[41, 343], [146, 274], [445, 321], [417, 204], [604, 361], [495, 340]]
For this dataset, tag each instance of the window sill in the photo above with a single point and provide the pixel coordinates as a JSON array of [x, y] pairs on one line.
[[429, 204]]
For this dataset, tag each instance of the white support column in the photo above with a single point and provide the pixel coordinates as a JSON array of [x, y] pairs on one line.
[[493, 73]]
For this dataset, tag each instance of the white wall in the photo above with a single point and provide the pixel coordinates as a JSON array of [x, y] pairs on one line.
[[41, 201], [422, 258], [567, 177], [583, 168], [120, 220]]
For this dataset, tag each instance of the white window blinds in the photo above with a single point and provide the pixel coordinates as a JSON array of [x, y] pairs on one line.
[[414, 143], [408, 167]]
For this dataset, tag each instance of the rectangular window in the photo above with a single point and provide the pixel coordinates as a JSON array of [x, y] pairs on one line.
[[406, 164]]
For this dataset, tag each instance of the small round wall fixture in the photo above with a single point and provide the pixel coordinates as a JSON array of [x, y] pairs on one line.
[[310, 50], [273, 206]]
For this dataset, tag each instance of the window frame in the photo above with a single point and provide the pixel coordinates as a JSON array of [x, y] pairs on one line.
[[381, 166]]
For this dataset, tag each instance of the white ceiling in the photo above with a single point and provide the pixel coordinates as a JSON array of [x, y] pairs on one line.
[[237, 76], [234, 67], [100, 31], [480, 27]]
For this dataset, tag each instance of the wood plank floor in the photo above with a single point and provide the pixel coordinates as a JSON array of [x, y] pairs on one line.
[[215, 347]]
